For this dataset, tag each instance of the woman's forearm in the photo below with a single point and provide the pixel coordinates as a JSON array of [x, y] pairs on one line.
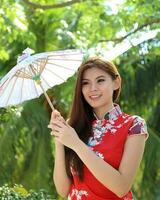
[[61, 180], [118, 181], [102, 171]]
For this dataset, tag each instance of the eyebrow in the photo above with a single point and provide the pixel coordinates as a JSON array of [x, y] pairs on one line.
[[101, 76]]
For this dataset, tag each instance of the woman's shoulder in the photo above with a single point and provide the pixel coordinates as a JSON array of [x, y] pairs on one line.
[[138, 126]]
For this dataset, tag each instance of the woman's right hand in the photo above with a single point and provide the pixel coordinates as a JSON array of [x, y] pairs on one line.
[[55, 116]]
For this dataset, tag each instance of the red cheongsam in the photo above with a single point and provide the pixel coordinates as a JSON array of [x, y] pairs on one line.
[[107, 141]]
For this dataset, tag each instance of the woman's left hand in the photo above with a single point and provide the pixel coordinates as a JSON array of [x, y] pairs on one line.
[[65, 134]]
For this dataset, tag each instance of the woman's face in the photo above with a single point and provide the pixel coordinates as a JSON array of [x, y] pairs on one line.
[[98, 87]]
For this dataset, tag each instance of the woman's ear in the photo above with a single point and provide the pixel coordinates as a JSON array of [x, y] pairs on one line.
[[117, 82]]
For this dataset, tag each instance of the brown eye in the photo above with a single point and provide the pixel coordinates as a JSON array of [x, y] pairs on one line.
[[100, 80], [84, 83]]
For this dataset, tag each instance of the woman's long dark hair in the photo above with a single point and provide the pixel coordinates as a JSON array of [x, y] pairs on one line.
[[81, 114]]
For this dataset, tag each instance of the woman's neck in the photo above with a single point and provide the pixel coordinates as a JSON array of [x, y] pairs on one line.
[[101, 111]]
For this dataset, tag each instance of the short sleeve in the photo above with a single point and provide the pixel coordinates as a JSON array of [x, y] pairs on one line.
[[138, 127]]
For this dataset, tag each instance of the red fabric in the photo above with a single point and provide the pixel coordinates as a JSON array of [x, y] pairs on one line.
[[107, 141]]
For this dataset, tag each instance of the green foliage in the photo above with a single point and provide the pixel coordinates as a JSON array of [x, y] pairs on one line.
[[140, 95], [26, 148], [18, 192]]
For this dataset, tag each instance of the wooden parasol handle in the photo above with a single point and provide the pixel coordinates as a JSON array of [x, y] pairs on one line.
[[47, 97]]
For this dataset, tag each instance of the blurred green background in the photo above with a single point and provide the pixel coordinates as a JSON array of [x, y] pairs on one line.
[[126, 31]]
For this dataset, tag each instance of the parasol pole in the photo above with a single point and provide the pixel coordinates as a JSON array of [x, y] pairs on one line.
[[37, 79], [47, 97]]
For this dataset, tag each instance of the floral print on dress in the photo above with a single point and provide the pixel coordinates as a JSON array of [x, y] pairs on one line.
[[117, 125], [98, 131], [126, 198], [129, 196], [138, 127], [100, 127], [99, 154], [78, 194]]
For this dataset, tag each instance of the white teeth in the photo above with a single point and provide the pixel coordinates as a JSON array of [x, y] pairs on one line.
[[94, 96]]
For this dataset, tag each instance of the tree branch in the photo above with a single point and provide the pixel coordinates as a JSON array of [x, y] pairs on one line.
[[118, 40], [53, 6]]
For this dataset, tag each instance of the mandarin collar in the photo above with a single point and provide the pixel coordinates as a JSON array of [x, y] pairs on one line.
[[112, 114]]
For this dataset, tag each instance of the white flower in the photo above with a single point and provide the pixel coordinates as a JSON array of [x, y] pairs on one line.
[[99, 154], [119, 126], [113, 130], [78, 194], [93, 142], [108, 126]]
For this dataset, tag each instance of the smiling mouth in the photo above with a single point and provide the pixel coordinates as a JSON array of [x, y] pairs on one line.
[[94, 97]]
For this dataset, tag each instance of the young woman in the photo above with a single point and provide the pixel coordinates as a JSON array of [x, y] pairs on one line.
[[99, 149]]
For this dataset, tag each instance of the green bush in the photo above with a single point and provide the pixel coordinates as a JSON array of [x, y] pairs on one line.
[[18, 192]]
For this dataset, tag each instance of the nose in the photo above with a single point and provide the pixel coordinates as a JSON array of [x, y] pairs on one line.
[[93, 87]]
